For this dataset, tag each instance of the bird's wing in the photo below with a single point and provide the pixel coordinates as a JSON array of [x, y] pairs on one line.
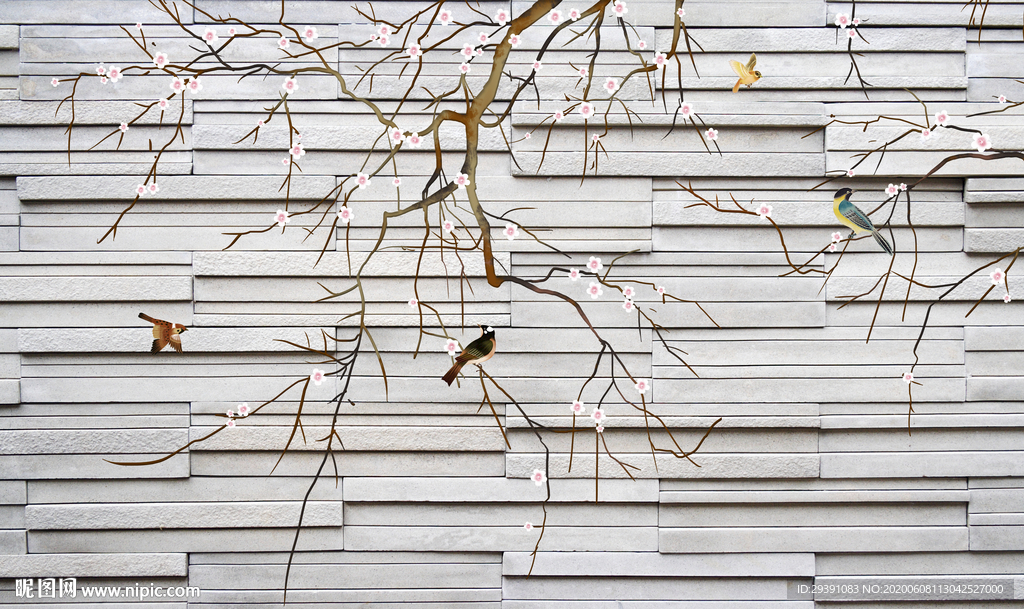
[[855, 215], [753, 62], [175, 340], [739, 68], [154, 320], [158, 344], [475, 350]]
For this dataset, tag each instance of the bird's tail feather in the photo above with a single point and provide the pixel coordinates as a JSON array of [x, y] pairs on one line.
[[147, 318], [880, 240], [449, 376]]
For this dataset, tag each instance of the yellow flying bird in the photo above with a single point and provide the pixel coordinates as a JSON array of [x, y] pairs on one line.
[[748, 75]]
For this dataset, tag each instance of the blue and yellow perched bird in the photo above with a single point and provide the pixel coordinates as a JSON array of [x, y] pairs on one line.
[[858, 221]]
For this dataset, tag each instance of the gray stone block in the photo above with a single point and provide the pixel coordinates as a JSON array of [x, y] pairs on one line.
[[915, 464], [711, 466], [32, 289], [10, 391], [171, 187], [651, 564], [95, 565], [501, 538], [88, 314], [187, 540], [492, 490], [13, 542], [814, 539], [89, 11], [191, 515], [62, 467]]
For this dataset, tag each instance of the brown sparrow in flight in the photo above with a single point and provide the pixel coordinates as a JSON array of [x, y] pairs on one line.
[[164, 334]]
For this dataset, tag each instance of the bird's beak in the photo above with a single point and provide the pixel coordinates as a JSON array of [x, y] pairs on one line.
[[184, 329]]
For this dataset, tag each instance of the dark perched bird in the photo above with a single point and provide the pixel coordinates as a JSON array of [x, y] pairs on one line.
[[858, 221], [164, 334], [476, 352]]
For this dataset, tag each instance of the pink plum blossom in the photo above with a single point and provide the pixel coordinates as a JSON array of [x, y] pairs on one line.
[[114, 74], [661, 290], [1002, 99], [852, 33], [659, 59], [153, 188], [891, 189], [464, 68], [163, 103], [764, 211], [641, 45], [100, 70], [584, 72], [903, 186], [599, 429], [290, 85], [997, 276], [594, 264], [140, 189], [283, 42], [595, 290], [527, 135], [479, 52], [619, 8], [384, 30], [414, 51], [317, 376], [414, 140], [680, 13], [555, 16], [396, 136], [982, 142], [230, 423], [445, 17], [232, 31], [577, 407], [281, 217], [712, 134], [611, 85], [558, 116], [54, 82], [842, 20], [362, 180], [243, 409], [574, 14], [448, 226], [528, 526], [856, 21], [596, 137], [941, 118], [452, 347], [628, 305], [195, 86], [598, 416], [586, 109], [837, 237], [908, 377], [160, 60], [574, 274], [628, 292], [103, 80], [537, 66], [210, 36], [296, 150], [1006, 298], [686, 110], [514, 40], [538, 477], [138, 25], [511, 231], [467, 50], [831, 247], [259, 123], [642, 385], [413, 302], [383, 41], [926, 134], [123, 127], [286, 161], [502, 17], [231, 413], [849, 173], [397, 182], [462, 180], [345, 214]]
